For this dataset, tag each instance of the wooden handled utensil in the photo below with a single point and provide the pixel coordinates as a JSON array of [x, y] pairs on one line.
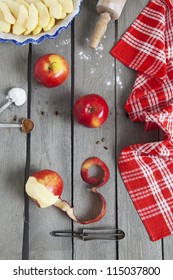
[[107, 9]]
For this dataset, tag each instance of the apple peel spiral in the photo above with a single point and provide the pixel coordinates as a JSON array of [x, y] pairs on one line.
[[45, 188]]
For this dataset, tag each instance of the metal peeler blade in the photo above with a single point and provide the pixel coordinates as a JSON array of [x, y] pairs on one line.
[[92, 234]]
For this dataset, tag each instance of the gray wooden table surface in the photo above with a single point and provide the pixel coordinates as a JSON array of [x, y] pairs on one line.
[[61, 144]]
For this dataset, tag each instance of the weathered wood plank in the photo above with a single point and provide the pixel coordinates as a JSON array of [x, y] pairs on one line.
[[94, 73], [137, 244], [51, 149], [12, 153], [167, 248]]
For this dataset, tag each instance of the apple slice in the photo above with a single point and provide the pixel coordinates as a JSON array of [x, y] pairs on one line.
[[55, 8], [24, 3], [32, 20], [6, 13], [27, 32], [4, 26], [50, 24], [43, 14], [67, 6], [63, 15], [37, 30], [19, 26], [13, 7], [32, 1], [45, 188]]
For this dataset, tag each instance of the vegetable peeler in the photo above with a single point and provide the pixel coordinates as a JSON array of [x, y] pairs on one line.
[[92, 234]]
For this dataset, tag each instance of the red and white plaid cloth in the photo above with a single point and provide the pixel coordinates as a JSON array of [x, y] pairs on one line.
[[147, 47], [147, 169]]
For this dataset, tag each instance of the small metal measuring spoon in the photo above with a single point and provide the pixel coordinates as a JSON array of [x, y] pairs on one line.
[[26, 125], [16, 96]]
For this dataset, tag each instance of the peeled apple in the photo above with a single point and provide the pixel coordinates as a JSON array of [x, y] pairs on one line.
[[46, 186]]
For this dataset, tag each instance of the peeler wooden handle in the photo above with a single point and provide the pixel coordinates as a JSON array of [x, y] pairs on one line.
[[100, 29]]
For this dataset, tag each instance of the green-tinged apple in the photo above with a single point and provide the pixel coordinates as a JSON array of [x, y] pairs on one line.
[[91, 110], [51, 70]]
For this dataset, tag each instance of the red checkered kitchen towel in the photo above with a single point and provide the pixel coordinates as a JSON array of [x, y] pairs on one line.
[[147, 169]]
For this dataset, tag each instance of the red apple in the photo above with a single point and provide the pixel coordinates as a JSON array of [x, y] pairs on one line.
[[51, 70], [44, 187], [91, 110]]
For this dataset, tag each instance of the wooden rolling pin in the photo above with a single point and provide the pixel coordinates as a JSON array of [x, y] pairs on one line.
[[108, 9]]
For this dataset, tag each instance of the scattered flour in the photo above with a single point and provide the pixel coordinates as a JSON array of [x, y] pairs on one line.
[[100, 48], [87, 53], [63, 43], [108, 83], [66, 42], [84, 56], [119, 82], [92, 70]]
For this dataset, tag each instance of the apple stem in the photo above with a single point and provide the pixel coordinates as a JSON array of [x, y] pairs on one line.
[[90, 109], [50, 66]]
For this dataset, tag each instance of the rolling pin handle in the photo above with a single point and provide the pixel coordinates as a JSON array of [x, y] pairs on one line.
[[100, 29]]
